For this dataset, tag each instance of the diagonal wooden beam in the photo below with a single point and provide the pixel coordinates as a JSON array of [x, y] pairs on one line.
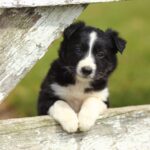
[[25, 35]]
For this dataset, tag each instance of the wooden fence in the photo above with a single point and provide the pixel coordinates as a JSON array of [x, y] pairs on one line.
[[22, 22], [125, 128]]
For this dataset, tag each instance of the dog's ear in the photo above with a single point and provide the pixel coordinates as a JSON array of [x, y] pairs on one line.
[[119, 43], [69, 31]]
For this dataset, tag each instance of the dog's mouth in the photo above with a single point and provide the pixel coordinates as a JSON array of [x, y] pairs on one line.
[[84, 77]]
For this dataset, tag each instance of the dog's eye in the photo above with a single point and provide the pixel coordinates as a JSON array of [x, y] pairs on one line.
[[77, 46], [78, 49], [78, 52], [100, 54]]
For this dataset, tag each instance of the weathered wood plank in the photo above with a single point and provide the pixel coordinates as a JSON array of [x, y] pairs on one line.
[[25, 35], [125, 128], [35, 3]]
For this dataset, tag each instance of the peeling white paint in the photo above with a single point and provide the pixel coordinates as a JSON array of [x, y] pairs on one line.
[[27, 39], [117, 129], [34, 3]]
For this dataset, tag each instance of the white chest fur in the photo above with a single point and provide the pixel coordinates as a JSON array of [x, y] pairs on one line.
[[74, 95]]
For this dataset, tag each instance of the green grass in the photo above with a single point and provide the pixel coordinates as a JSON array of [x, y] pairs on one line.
[[130, 83]]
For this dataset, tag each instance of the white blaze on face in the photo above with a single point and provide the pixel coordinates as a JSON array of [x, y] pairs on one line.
[[88, 60]]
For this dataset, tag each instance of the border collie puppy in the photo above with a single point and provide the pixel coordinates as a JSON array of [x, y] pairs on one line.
[[75, 90]]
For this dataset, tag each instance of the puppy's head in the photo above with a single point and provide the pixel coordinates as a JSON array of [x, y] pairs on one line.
[[89, 51]]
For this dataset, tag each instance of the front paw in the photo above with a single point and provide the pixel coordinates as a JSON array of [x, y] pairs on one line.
[[86, 122], [70, 125]]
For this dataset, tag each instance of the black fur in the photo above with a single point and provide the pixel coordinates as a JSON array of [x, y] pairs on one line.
[[72, 50]]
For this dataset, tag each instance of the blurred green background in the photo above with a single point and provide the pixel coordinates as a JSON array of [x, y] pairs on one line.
[[130, 83]]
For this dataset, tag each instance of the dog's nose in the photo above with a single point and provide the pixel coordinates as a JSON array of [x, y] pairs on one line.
[[86, 70]]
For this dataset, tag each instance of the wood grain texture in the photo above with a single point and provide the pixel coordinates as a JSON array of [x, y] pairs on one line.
[[125, 128], [25, 35], [35, 3]]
